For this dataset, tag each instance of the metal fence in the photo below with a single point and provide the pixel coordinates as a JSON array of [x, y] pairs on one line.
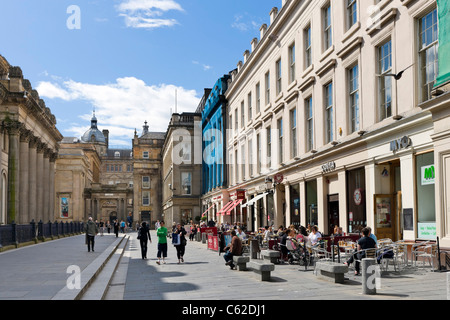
[[14, 234]]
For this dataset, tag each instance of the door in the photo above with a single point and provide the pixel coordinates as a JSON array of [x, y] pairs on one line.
[[333, 212], [385, 216]]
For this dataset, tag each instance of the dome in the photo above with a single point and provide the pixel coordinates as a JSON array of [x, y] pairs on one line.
[[93, 134]]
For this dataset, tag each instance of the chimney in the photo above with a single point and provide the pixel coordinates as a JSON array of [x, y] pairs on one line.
[[254, 43], [246, 55], [15, 79], [273, 14], [106, 135], [239, 66], [262, 30]]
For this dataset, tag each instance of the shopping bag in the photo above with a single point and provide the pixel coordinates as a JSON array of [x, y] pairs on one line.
[[175, 239]]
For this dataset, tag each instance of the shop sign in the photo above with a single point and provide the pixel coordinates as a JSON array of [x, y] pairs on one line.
[[357, 196], [328, 167], [240, 194], [278, 178], [401, 143], [426, 230], [427, 175]]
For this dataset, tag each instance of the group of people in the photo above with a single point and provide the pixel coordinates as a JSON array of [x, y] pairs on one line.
[[92, 228], [162, 234]]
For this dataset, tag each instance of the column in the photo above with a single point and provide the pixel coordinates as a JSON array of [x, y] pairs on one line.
[[32, 180], [24, 177], [343, 217], [303, 204], [288, 203], [13, 128], [52, 195], [322, 216], [46, 186], [39, 182]]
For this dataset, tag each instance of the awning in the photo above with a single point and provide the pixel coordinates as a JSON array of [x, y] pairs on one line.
[[252, 201], [225, 207], [235, 204], [204, 213]]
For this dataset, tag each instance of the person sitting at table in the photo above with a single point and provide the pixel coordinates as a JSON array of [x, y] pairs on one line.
[[267, 233], [284, 251], [233, 249], [372, 235], [280, 231], [337, 232], [364, 243], [302, 235], [240, 233], [315, 235]]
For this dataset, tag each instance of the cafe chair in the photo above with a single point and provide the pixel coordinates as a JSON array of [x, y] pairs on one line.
[[417, 250], [427, 252]]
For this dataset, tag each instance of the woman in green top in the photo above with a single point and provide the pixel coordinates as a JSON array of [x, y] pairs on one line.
[[162, 242]]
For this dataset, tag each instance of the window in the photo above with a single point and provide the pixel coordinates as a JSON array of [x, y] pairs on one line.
[[308, 57], [146, 182], [269, 147], [267, 77], [352, 17], [129, 168], [250, 157], [293, 132], [280, 140], [327, 35], [243, 162], [428, 53], [145, 154], [242, 114], [329, 112], [292, 63], [354, 98], [146, 198], [278, 70], [236, 121], [117, 154], [250, 108], [258, 98], [309, 124], [385, 82], [186, 183], [259, 152]]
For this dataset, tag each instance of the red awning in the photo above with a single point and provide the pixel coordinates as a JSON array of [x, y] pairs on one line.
[[235, 204], [207, 210], [225, 207]]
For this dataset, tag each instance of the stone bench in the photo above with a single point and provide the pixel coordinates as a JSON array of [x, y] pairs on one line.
[[262, 268], [331, 271], [271, 255], [241, 262]]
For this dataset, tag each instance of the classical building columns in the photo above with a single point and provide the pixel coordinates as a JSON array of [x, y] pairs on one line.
[[24, 187]]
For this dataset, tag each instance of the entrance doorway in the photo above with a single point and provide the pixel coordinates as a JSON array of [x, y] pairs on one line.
[[388, 207], [333, 212], [112, 217]]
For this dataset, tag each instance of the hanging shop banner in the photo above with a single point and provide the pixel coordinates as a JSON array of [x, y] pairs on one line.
[[213, 243]]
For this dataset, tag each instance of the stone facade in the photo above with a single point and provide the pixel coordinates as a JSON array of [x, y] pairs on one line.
[[182, 175], [29, 147]]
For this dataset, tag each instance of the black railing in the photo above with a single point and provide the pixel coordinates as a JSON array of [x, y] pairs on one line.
[[14, 234]]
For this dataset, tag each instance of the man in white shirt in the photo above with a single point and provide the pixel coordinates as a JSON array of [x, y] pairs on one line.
[[241, 234], [314, 236]]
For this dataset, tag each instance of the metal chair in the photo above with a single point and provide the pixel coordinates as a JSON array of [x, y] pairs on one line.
[[417, 249], [429, 252]]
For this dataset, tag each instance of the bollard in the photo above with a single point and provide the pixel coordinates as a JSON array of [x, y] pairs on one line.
[[204, 235], [368, 267], [254, 248]]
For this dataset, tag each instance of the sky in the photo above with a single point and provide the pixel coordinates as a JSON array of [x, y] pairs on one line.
[[129, 60]]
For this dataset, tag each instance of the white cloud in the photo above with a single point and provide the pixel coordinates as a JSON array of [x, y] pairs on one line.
[[245, 22], [147, 14], [124, 105]]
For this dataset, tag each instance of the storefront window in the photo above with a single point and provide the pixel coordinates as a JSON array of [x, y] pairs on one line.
[[311, 203], [426, 214], [295, 205], [356, 215], [383, 212]]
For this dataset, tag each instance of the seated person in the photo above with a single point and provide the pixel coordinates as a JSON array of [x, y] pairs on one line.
[[302, 235], [267, 233], [315, 235], [233, 249], [241, 234], [364, 243]]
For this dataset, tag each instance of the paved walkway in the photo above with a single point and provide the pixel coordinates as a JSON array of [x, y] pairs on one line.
[[39, 272], [204, 276]]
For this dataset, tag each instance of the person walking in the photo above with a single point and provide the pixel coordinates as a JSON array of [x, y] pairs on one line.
[[122, 226], [101, 226], [144, 237], [162, 243], [108, 226], [181, 247], [91, 230], [116, 228]]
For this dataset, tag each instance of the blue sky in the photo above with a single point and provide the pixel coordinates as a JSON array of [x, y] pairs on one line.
[[128, 58]]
